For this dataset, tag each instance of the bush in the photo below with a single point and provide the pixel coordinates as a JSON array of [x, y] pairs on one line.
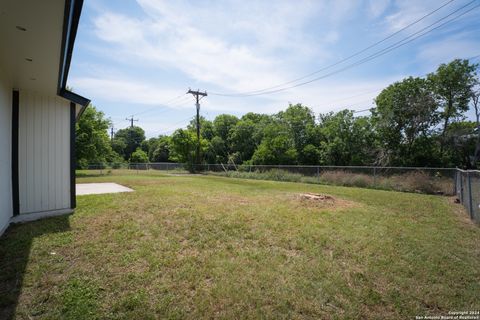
[[361, 181], [139, 156], [344, 178], [82, 164], [420, 182], [273, 174], [415, 181]]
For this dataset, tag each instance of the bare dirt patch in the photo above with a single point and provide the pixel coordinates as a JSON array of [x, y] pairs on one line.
[[316, 197], [323, 201]]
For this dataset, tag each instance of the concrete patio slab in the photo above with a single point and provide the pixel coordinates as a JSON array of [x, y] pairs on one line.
[[100, 188]]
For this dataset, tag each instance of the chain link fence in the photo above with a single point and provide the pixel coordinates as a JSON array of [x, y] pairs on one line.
[[467, 190], [409, 179], [442, 181], [131, 168]]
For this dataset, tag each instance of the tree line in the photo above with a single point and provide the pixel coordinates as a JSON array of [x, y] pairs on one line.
[[418, 121]]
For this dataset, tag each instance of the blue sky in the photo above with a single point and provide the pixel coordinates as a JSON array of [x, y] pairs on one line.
[[140, 57]]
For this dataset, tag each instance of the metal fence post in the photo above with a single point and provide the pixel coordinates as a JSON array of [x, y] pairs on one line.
[[470, 195], [375, 176], [455, 191], [461, 187], [318, 174]]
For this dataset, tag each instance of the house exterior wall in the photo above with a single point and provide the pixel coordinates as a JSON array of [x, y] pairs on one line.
[[6, 207], [44, 157]]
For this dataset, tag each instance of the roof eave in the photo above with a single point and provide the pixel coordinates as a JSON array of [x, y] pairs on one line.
[[73, 10]]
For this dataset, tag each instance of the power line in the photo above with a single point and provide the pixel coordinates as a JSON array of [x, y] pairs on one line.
[[348, 98], [173, 127], [171, 107], [368, 109], [368, 58], [379, 53], [349, 57], [165, 104], [472, 58]]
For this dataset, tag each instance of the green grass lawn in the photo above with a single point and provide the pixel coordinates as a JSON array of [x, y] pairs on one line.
[[212, 247]]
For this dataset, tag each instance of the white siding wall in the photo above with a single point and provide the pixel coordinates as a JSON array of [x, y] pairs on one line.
[[6, 209], [44, 153]]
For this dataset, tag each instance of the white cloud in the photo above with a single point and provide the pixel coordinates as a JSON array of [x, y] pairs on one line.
[[459, 46], [201, 57], [377, 7], [408, 11], [122, 90], [325, 98], [256, 45]]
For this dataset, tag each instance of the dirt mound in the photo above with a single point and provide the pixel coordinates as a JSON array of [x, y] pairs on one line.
[[317, 197], [319, 200]]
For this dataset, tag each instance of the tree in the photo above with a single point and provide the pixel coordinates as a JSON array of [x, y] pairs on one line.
[[206, 127], [222, 125], [300, 122], [416, 122], [460, 144], [160, 151], [119, 146], [126, 141], [139, 156], [406, 111], [216, 151], [277, 150], [242, 139], [310, 155], [92, 143], [184, 145], [247, 134], [452, 84], [346, 140], [277, 146]]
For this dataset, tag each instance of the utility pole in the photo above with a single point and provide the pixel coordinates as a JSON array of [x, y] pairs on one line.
[[131, 121], [197, 94], [111, 133]]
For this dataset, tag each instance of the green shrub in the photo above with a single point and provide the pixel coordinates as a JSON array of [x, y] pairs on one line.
[[139, 156], [273, 174], [415, 181], [82, 164]]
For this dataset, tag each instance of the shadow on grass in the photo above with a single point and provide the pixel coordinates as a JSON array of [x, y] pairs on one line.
[[15, 247]]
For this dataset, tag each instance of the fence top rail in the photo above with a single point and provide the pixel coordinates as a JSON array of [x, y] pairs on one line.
[[323, 166], [289, 166], [171, 163], [468, 171], [128, 163]]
